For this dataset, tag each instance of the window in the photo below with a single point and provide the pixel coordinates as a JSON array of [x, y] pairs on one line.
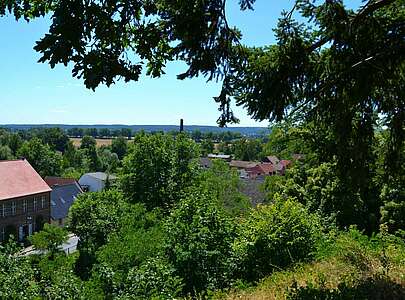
[[43, 204], [13, 208], [25, 205], [35, 204]]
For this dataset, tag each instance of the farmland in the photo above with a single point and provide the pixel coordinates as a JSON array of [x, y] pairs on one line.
[[100, 142]]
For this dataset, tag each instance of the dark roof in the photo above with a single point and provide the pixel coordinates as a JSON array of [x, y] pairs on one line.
[[62, 197], [205, 162], [18, 178], [272, 159], [51, 181]]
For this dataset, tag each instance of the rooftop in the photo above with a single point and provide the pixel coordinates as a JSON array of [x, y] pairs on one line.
[[62, 197], [101, 176], [241, 164], [18, 178], [220, 156], [51, 181]]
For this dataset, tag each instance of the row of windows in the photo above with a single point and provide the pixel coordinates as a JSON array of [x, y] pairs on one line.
[[28, 205]]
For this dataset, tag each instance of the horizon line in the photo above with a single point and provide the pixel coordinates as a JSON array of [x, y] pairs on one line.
[[117, 124]]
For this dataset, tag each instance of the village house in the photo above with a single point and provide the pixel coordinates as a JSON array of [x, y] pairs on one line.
[[279, 166], [261, 170], [24, 200], [96, 182]]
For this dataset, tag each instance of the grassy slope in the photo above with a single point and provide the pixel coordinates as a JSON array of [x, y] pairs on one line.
[[352, 267]]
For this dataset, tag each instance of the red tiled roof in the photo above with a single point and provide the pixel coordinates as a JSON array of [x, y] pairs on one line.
[[51, 181], [285, 162], [267, 168], [18, 179], [263, 169]]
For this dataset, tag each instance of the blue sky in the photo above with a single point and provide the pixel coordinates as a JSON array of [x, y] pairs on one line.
[[34, 93]]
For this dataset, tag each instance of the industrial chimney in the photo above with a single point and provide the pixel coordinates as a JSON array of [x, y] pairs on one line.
[[181, 125]]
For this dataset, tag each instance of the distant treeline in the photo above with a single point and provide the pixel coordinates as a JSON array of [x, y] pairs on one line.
[[107, 132], [114, 129]]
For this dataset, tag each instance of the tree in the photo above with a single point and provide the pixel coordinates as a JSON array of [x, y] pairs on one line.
[[5, 153], [225, 148], [11, 140], [93, 217], [207, 147], [286, 139], [247, 149], [17, 275], [126, 132], [88, 142], [104, 132], [55, 137], [119, 146], [340, 69], [109, 161], [45, 161], [49, 239], [75, 132], [89, 147], [224, 185], [198, 243], [93, 132], [157, 169]]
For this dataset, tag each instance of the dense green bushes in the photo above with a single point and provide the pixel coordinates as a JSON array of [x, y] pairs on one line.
[[158, 168], [198, 244], [172, 230], [154, 279], [273, 237]]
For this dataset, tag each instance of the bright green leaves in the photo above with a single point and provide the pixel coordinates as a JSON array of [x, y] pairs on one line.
[[158, 168], [273, 237], [50, 238]]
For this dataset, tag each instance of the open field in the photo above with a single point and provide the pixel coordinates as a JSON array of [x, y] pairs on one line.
[[100, 142]]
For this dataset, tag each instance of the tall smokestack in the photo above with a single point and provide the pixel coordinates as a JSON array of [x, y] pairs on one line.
[[181, 125]]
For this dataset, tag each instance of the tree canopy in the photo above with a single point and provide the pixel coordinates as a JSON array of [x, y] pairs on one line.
[[340, 68]]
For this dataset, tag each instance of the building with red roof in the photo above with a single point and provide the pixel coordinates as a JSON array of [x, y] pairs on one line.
[[24, 199], [263, 169]]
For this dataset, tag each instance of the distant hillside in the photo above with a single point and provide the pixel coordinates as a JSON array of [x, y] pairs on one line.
[[247, 131]]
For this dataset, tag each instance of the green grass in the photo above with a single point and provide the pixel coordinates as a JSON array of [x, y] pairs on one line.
[[348, 266]]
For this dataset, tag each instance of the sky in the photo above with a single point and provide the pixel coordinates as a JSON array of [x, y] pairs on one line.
[[33, 93]]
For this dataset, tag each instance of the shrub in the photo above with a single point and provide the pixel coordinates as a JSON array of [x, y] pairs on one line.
[[393, 211], [274, 236], [199, 242], [154, 279]]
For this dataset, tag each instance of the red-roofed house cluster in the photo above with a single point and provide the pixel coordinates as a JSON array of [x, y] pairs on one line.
[[270, 165]]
